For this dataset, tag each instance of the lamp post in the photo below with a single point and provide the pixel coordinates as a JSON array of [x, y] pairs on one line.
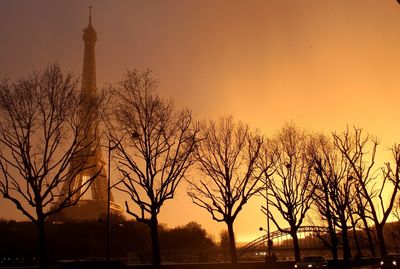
[[265, 210], [134, 135], [109, 197], [269, 241]]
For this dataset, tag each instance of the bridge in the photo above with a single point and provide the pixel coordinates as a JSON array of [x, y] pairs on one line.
[[307, 235]]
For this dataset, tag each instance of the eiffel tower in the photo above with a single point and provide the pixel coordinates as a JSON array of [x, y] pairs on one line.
[[92, 204]]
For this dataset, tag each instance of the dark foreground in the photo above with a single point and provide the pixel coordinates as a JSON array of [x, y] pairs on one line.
[[362, 264]]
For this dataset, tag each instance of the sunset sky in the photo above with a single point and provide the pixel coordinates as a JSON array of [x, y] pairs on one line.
[[321, 64]]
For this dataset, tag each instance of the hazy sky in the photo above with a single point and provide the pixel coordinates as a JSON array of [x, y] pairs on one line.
[[321, 64]]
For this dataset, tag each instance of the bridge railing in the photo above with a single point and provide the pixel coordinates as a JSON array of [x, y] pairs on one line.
[[260, 242]]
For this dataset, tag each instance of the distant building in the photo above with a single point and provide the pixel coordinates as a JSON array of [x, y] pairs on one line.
[[93, 204]]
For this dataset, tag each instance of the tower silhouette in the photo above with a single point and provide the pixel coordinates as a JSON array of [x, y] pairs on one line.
[[89, 161]]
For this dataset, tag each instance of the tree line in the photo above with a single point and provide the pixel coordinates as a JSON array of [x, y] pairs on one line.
[[130, 239], [155, 145]]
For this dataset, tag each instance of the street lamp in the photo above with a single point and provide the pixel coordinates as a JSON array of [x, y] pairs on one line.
[[110, 148], [265, 210], [134, 135], [269, 241]]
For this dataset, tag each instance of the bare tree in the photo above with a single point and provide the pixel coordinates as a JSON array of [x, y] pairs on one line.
[[155, 145], [227, 163], [354, 146], [40, 134], [291, 185], [325, 171], [333, 195]]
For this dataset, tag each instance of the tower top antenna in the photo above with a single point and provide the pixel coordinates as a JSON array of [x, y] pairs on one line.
[[90, 15]]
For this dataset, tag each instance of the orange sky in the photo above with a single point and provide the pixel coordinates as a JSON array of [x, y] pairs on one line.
[[321, 64]]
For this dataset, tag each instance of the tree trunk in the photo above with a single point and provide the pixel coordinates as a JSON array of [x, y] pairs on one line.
[[155, 243], [296, 246], [381, 239], [345, 241], [370, 242], [334, 241], [332, 232], [369, 236], [232, 243], [42, 243], [356, 239]]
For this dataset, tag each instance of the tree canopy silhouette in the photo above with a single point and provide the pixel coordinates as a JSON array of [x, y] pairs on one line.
[[291, 185], [229, 174], [154, 143], [378, 192], [40, 134]]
